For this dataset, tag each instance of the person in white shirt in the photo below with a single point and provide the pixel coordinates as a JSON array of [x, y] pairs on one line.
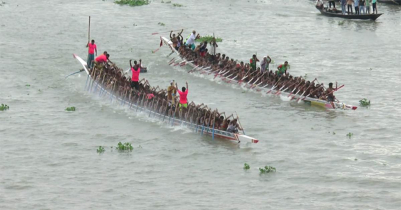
[[191, 40]]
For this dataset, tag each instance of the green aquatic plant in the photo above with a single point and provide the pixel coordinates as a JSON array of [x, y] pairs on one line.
[[267, 169], [209, 39], [364, 102], [132, 3], [124, 147], [4, 107], [306, 76], [349, 134], [70, 109], [167, 2], [100, 149], [161, 24], [341, 22], [177, 5], [246, 166], [28, 85]]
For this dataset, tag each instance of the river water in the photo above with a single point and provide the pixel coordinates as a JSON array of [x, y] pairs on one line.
[[48, 157]]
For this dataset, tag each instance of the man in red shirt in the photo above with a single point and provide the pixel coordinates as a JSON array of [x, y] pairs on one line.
[[91, 53], [136, 70], [103, 58]]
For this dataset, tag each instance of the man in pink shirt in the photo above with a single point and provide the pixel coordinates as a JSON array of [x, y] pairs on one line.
[[91, 52], [136, 70], [103, 58], [183, 95]]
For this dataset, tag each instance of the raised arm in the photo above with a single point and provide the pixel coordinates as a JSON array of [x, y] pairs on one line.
[[170, 34], [186, 84], [179, 34], [130, 63]]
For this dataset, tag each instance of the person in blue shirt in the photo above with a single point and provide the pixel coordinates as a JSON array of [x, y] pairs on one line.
[[356, 3], [343, 6]]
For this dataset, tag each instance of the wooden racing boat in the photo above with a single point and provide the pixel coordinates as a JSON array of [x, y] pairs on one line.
[[94, 87], [267, 89], [339, 14]]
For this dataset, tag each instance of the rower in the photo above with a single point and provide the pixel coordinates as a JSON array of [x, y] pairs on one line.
[[282, 69], [102, 59], [175, 39], [253, 61], [136, 70], [91, 53], [330, 95], [203, 49]]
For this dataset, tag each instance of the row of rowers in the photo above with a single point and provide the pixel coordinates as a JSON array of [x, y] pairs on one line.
[[163, 101], [249, 72]]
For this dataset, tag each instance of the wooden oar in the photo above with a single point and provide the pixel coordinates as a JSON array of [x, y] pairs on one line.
[[243, 130], [274, 86]]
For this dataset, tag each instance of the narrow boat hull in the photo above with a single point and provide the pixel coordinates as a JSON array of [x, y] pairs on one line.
[[311, 101], [96, 87], [354, 17]]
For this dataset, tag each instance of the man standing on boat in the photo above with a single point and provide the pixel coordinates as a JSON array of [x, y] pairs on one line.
[[356, 4], [136, 70], [183, 95], [343, 5], [191, 40], [330, 96], [362, 7], [374, 3], [91, 53], [367, 5], [282, 69], [264, 65], [331, 2], [171, 93], [253, 61]]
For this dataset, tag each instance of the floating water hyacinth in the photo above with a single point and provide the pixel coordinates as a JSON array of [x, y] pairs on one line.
[[246, 166], [133, 3], [364, 102], [209, 39], [124, 147], [4, 107], [178, 5], [70, 109], [161, 24], [267, 169], [100, 149], [350, 134]]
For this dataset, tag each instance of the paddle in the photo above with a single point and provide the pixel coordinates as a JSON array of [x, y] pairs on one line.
[[274, 86], [243, 130], [74, 73]]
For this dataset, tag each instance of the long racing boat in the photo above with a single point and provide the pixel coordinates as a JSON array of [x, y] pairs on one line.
[[95, 87], [267, 89]]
